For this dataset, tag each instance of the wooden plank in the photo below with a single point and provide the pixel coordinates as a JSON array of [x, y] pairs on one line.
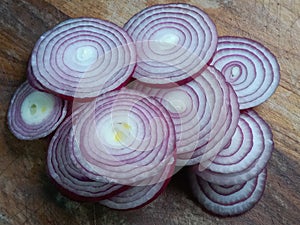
[[27, 196]]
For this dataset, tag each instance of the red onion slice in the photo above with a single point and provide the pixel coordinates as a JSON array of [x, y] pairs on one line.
[[67, 177], [125, 137], [246, 155], [137, 196], [204, 120], [249, 67], [173, 41], [83, 58], [34, 114], [228, 200]]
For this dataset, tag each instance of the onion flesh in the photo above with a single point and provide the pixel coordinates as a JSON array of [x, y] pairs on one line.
[[167, 38]]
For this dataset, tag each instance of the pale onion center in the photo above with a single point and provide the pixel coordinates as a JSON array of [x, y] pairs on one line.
[[235, 71], [117, 134], [86, 55], [36, 107], [168, 41], [165, 40], [177, 101]]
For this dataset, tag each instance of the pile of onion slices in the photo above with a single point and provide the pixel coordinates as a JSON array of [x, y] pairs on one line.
[[128, 107]]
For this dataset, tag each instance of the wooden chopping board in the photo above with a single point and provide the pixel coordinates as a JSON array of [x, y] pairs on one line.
[[27, 196]]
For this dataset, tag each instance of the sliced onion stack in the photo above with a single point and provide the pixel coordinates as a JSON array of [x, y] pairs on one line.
[[249, 67], [124, 137], [204, 120], [131, 106], [173, 41], [246, 155], [34, 114], [83, 58], [67, 177], [228, 200]]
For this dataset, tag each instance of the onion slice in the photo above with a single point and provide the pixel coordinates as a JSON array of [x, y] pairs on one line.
[[249, 67], [67, 177], [228, 200], [137, 196], [204, 120], [34, 114], [125, 137], [246, 155], [173, 41], [83, 58]]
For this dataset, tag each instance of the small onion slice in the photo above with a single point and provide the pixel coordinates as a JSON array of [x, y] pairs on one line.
[[66, 176], [228, 200], [34, 114], [125, 137], [173, 41], [249, 67], [245, 156], [83, 58]]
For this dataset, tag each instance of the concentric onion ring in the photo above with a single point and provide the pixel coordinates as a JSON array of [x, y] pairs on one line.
[[69, 179], [34, 114], [228, 200], [125, 137], [83, 58], [245, 156], [205, 113], [174, 42], [249, 67]]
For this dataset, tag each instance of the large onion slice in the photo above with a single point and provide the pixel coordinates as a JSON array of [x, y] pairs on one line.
[[249, 67], [68, 178], [204, 120], [245, 156], [174, 42], [83, 58], [228, 200], [34, 114], [125, 137]]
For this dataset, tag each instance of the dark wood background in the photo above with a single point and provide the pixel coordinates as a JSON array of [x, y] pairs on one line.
[[27, 196]]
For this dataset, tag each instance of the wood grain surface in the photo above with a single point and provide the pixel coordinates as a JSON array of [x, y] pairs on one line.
[[27, 196]]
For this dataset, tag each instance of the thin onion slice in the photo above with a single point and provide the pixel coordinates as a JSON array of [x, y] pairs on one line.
[[67, 177], [125, 137], [204, 120], [228, 200], [31, 79], [83, 58], [249, 67], [173, 41], [137, 196], [34, 114], [245, 156]]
